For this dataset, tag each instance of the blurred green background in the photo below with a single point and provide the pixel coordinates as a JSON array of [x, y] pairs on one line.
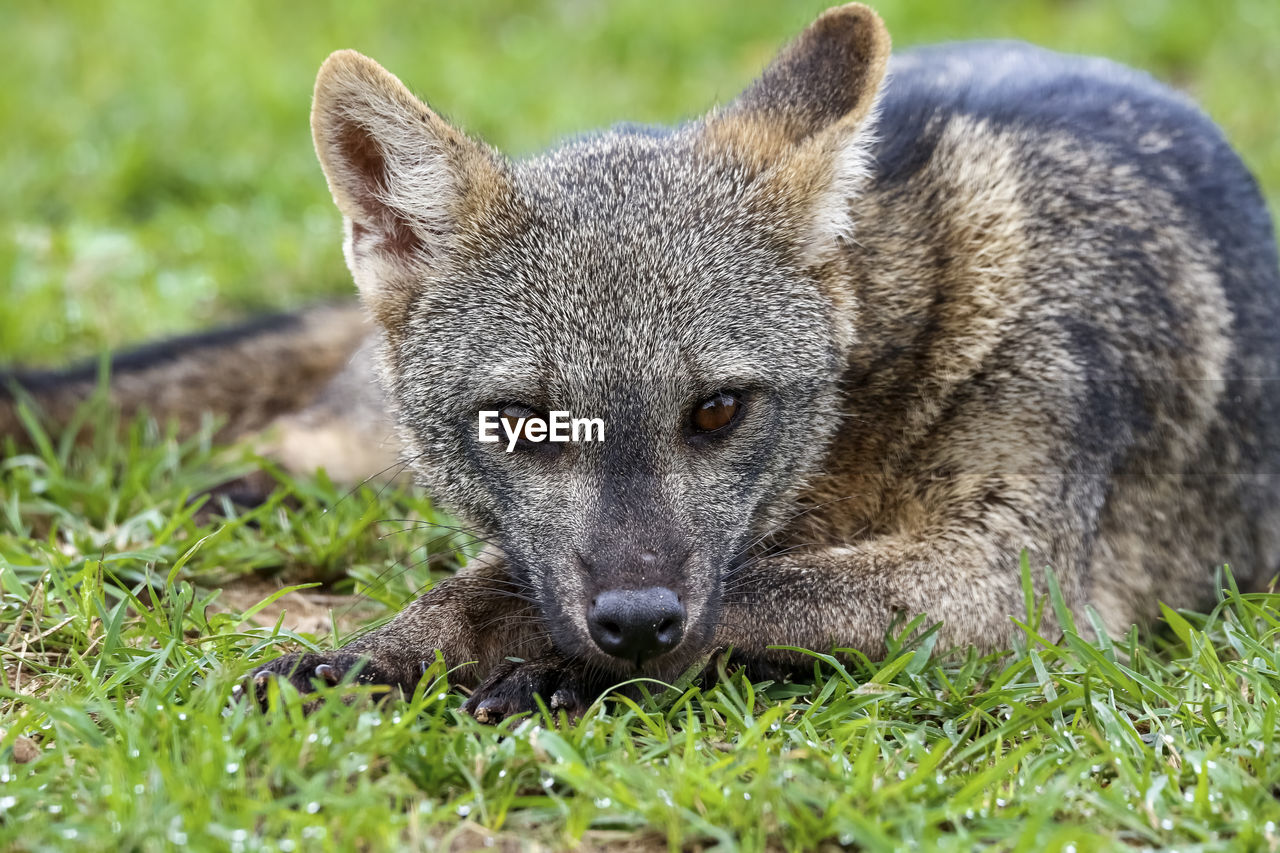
[[156, 172]]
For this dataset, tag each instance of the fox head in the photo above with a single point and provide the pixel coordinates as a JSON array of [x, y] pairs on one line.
[[687, 286]]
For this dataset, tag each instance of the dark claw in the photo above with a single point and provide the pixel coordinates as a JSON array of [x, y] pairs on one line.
[[303, 671], [513, 687], [488, 711], [562, 698]]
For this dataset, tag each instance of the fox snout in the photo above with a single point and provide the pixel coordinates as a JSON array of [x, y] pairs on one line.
[[636, 624], [636, 604]]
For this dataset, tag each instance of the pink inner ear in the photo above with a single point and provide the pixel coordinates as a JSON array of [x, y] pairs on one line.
[[367, 183]]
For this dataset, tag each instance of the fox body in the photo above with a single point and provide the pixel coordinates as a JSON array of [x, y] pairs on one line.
[[858, 341]]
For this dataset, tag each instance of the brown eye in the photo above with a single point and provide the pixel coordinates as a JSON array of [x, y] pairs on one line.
[[715, 412], [512, 414]]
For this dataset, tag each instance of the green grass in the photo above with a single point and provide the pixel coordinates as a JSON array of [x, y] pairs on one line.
[[157, 177], [127, 664]]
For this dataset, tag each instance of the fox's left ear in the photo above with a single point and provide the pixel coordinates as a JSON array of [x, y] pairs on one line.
[[409, 185], [808, 120]]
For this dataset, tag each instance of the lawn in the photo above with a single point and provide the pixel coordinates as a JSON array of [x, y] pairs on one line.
[[157, 177]]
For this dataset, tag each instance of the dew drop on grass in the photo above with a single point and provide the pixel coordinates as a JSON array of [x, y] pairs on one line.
[[463, 810], [7, 803], [313, 807], [603, 802], [182, 715], [547, 782], [1189, 796], [313, 737], [232, 766], [502, 774], [55, 809], [1166, 824], [746, 795]]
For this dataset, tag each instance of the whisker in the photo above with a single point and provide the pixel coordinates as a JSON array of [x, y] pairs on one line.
[[780, 526], [399, 567], [756, 559], [403, 463]]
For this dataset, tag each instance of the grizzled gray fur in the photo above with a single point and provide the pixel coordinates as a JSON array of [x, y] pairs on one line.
[[859, 340]]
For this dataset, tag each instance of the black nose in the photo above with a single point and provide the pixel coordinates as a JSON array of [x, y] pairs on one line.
[[636, 624]]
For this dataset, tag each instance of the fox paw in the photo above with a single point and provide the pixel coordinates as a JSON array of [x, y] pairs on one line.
[[304, 671], [511, 687]]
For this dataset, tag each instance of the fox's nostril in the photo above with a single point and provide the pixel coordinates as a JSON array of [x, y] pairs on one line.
[[636, 624]]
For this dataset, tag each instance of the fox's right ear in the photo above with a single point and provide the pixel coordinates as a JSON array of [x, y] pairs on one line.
[[809, 120], [407, 182]]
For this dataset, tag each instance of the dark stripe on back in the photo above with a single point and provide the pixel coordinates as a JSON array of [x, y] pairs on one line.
[[145, 357]]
